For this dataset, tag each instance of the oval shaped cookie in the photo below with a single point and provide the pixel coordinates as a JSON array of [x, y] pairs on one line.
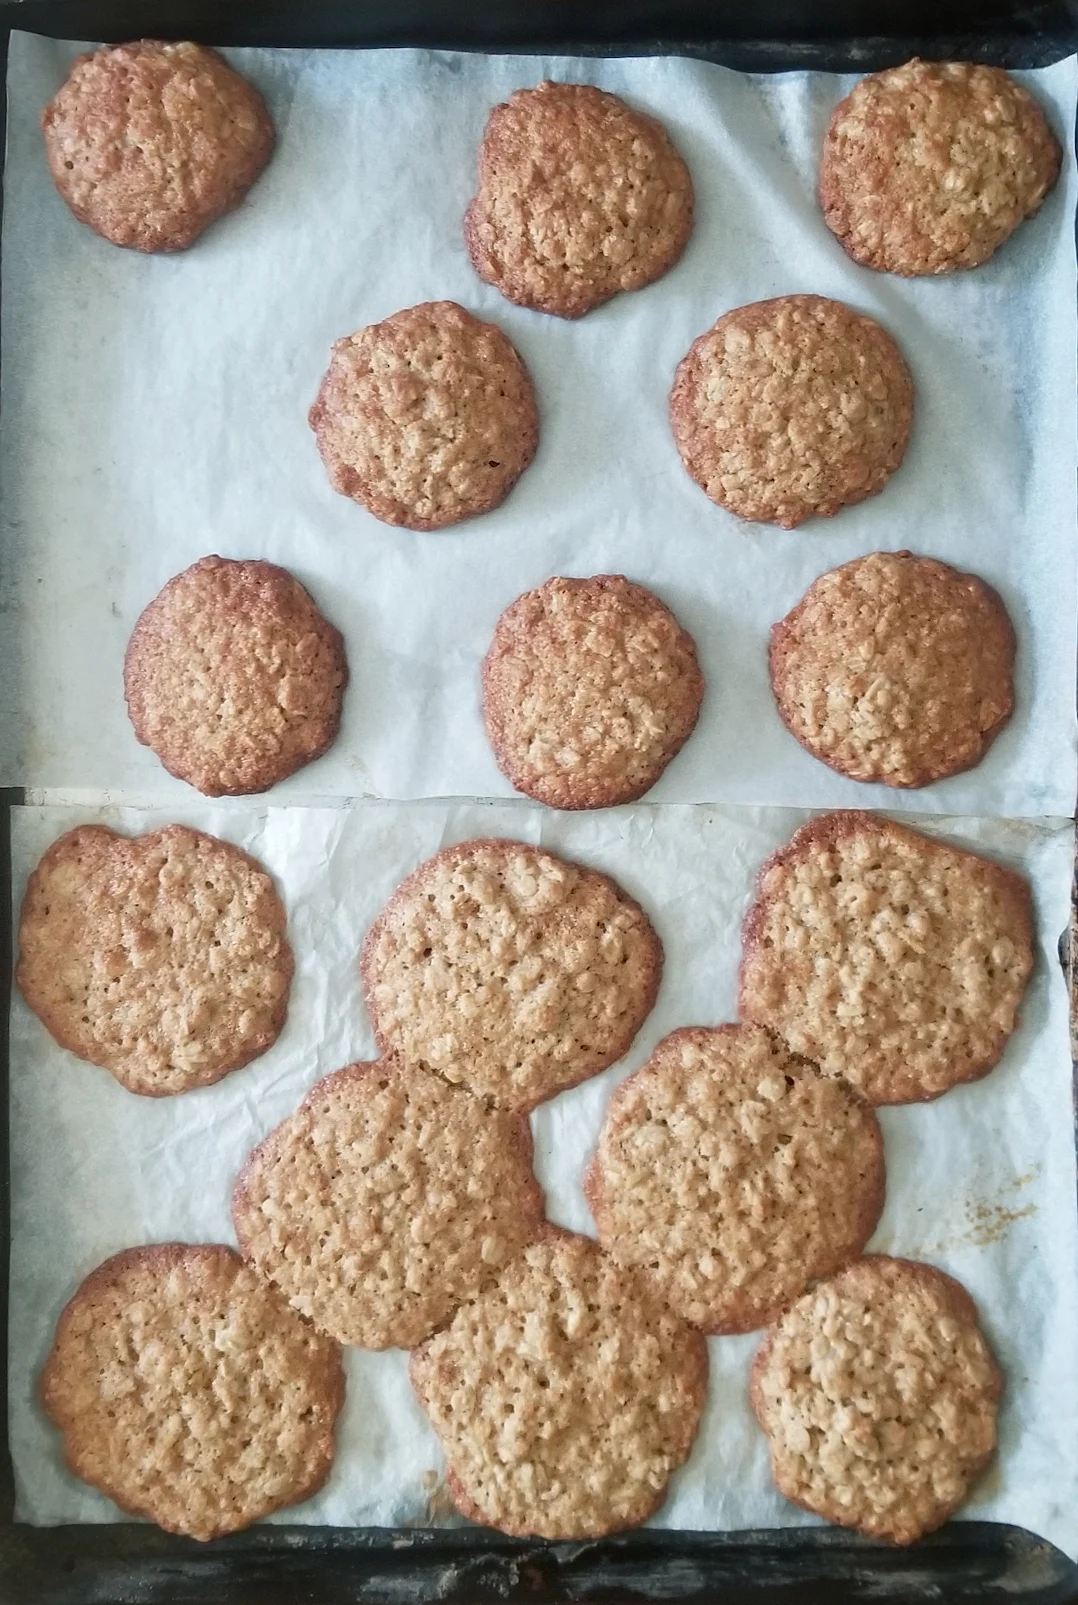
[[233, 677], [149, 142], [564, 1396], [895, 668], [162, 958], [732, 1175], [930, 166], [887, 957], [878, 1394], [386, 1200], [426, 418], [509, 971], [579, 197], [792, 409], [590, 688], [189, 1393]]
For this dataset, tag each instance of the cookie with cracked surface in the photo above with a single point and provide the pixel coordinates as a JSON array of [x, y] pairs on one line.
[[885, 956], [149, 143], [387, 1199], [792, 409], [590, 688], [565, 1395], [161, 958], [189, 1393], [878, 1395], [233, 677], [930, 166], [895, 668], [509, 971], [732, 1175], [579, 197], [426, 418]]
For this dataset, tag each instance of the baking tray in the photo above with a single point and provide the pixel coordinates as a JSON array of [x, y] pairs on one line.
[[136, 1564]]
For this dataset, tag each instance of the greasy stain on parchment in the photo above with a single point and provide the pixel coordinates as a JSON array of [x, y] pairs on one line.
[[986, 1221]]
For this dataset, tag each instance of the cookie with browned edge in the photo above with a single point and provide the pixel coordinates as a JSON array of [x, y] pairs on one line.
[[149, 143], [895, 668], [930, 166], [426, 418], [565, 1395], [885, 956], [233, 677], [732, 1175], [579, 197], [162, 958], [509, 971], [792, 409], [878, 1395], [387, 1199], [189, 1393], [590, 688]]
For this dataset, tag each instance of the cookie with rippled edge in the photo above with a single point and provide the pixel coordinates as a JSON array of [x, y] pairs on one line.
[[149, 143]]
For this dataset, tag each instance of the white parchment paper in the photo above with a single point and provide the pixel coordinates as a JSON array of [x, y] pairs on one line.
[[154, 410], [981, 1183]]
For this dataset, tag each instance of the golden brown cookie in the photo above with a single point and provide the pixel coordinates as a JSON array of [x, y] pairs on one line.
[[386, 1200], [162, 958], [590, 688], [895, 668], [189, 1393], [150, 142], [565, 1395], [878, 1395], [931, 166], [426, 418], [886, 957], [578, 197], [509, 971], [732, 1175], [791, 409], [233, 677]]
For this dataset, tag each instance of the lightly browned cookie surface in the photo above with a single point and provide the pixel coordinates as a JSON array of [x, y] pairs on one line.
[[590, 688], [509, 971], [878, 1395], [150, 142], [189, 1393], [930, 166], [233, 677], [895, 668], [885, 956], [426, 418], [565, 1395], [579, 197], [162, 958], [386, 1200], [731, 1175], [792, 409]]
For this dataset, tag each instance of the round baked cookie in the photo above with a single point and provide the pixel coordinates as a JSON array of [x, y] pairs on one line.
[[162, 958], [791, 409], [578, 197], [895, 668], [887, 957], [189, 1393], [509, 971], [150, 142], [878, 1394], [565, 1395], [732, 1175], [590, 688], [386, 1200], [931, 166], [426, 418], [233, 677]]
